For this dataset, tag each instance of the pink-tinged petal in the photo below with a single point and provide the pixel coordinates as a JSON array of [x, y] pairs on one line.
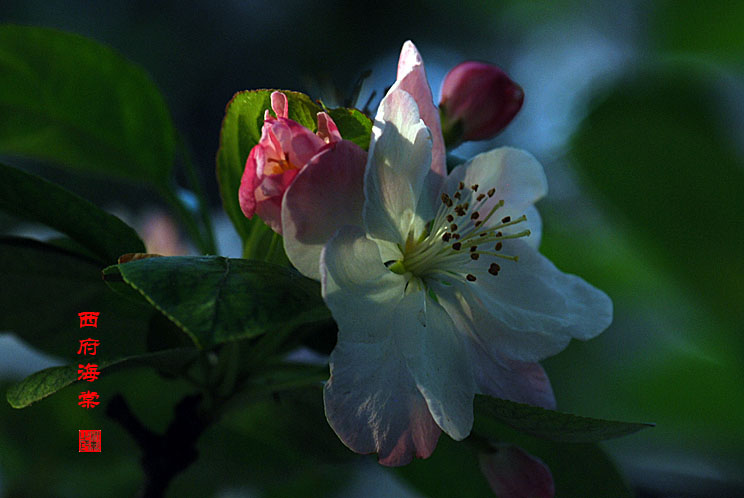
[[513, 473], [398, 162], [280, 104], [372, 404], [269, 195], [327, 129], [530, 310], [517, 177], [503, 378], [326, 194], [298, 144], [249, 182], [411, 77]]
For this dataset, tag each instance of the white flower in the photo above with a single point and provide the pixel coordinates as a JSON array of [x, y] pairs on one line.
[[439, 291]]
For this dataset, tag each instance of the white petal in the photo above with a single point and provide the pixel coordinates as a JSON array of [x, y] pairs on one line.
[[517, 177], [398, 162], [437, 360], [412, 78], [518, 381], [357, 286], [533, 224], [372, 312], [531, 310], [373, 405]]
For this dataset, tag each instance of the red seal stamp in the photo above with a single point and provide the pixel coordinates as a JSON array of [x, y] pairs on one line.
[[89, 440]]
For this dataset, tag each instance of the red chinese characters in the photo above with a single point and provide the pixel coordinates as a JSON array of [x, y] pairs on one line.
[[86, 399], [88, 372], [88, 346], [89, 319]]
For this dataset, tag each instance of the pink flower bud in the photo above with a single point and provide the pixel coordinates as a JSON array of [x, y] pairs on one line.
[[478, 101], [513, 473], [284, 149]]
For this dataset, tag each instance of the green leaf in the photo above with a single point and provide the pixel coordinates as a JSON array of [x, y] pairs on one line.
[[658, 150], [34, 199], [241, 131], [353, 125], [73, 101], [45, 287], [579, 469], [46, 382], [549, 424], [215, 299]]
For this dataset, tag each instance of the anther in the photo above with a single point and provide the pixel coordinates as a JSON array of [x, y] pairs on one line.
[[461, 186], [475, 215], [480, 197], [478, 223], [506, 219], [498, 246], [470, 277], [456, 246], [457, 195], [455, 236], [474, 188], [453, 227], [446, 200], [446, 237], [491, 192], [473, 248], [450, 218], [483, 234], [474, 255], [494, 269]]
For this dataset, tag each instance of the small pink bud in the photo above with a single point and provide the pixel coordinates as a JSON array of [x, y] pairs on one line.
[[478, 101], [513, 473], [284, 149]]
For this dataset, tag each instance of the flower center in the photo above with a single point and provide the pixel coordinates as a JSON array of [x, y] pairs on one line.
[[276, 166], [457, 236]]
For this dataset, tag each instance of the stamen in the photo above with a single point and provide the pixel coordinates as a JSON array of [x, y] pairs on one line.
[[453, 227], [474, 188], [474, 216], [461, 186], [498, 246], [480, 197], [456, 246], [474, 255], [473, 248], [506, 219], [457, 195], [446, 237], [494, 269], [446, 200], [470, 277], [450, 218], [491, 192]]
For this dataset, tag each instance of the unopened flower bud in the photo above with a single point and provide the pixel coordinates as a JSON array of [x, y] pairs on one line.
[[478, 101]]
